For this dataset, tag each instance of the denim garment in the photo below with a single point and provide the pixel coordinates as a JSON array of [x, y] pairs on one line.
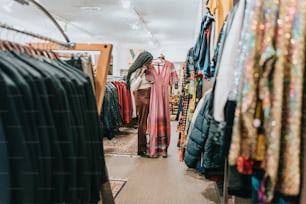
[[206, 21]]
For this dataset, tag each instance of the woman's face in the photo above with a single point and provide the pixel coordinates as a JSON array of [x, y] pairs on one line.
[[149, 63]]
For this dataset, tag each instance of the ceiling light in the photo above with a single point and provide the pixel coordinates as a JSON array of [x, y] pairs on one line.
[[90, 8], [126, 4]]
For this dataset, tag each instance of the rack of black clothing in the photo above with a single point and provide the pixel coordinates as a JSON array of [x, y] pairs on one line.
[[51, 141], [81, 121]]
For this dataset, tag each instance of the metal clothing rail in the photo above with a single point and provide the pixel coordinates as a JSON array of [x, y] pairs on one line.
[[68, 44], [63, 44]]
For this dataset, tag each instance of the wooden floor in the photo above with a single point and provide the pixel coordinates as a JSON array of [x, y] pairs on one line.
[[160, 181]]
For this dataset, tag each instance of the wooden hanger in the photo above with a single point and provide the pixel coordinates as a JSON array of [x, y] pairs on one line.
[[7, 45], [31, 51], [2, 46]]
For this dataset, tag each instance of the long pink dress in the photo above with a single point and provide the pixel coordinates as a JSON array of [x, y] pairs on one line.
[[159, 113]]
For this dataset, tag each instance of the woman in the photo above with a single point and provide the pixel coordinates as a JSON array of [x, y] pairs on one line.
[[141, 88]]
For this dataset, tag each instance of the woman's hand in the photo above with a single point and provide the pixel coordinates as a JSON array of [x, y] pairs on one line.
[[143, 70]]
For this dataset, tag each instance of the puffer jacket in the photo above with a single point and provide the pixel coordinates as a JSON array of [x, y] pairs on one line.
[[198, 136]]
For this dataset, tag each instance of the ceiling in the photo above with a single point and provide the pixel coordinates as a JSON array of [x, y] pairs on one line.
[[154, 23]]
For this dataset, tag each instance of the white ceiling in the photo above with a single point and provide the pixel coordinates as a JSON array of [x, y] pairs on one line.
[[165, 22]]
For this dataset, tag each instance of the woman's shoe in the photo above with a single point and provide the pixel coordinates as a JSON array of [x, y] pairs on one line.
[[154, 156], [142, 154]]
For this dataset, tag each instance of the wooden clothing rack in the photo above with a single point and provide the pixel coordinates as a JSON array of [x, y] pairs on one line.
[[102, 66]]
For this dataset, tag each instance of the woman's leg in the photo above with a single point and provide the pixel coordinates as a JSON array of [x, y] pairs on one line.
[[142, 103]]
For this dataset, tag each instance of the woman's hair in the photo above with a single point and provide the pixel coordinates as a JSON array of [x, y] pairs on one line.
[[142, 59]]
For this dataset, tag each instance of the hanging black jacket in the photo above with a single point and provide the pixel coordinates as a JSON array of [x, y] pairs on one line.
[[22, 182], [111, 118], [4, 167]]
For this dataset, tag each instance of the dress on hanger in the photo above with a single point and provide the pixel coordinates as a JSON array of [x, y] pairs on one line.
[[159, 115]]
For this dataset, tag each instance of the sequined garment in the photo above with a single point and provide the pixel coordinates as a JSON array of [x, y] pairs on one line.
[[303, 135], [244, 49], [270, 77], [269, 95], [294, 20], [246, 103]]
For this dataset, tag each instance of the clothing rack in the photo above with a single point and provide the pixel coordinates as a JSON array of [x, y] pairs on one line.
[[105, 191], [102, 69], [101, 77], [104, 49], [102, 66]]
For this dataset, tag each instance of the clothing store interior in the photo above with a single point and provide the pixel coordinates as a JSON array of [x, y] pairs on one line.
[[152, 102]]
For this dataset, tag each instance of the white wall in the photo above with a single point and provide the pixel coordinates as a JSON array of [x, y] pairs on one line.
[[174, 53], [201, 12]]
